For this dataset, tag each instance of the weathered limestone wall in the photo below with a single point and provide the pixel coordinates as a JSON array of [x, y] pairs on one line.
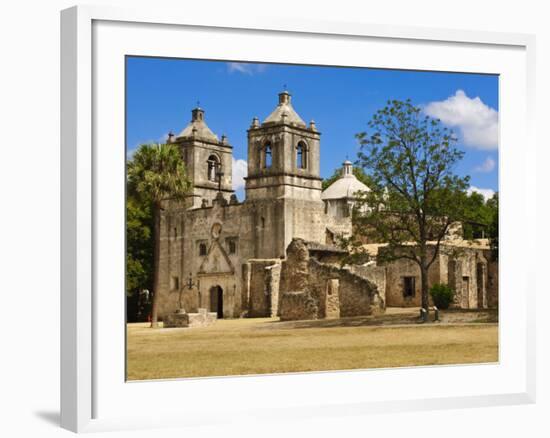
[[305, 220], [273, 281], [298, 306], [307, 284], [357, 296], [463, 269], [467, 275], [263, 287], [338, 226], [294, 270], [182, 234], [395, 283], [259, 230], [373, 273], [332, 299], [492, 280], [267, 228]]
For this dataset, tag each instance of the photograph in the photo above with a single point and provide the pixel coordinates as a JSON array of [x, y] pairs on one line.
[[290, 218]]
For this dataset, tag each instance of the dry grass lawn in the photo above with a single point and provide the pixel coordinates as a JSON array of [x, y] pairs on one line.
[[262, 345]]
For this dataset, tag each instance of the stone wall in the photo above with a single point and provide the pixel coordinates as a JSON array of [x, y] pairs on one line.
[[373, 273], [295, 270], [469, 279], [492, 280], [308, 288], [463, 268], [298, 306], [259, 230], [396, 272], [357, 296], [182, 234], [262, 287]]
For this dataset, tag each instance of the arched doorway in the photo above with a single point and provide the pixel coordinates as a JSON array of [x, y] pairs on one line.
[[216, 300]]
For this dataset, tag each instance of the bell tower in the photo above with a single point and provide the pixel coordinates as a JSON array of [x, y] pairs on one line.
[[283, 156], [283, 185], [208, 160]]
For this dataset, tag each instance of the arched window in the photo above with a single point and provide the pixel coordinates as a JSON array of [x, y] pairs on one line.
[[268, 159], [213, 167], [301, 155]]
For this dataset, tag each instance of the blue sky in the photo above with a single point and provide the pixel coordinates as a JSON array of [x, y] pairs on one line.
[[161, 93]]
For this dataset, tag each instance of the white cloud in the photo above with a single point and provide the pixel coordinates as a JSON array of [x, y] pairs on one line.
[[240, 170], [486, 193], [476, 121], [487, 166], [246, 68]]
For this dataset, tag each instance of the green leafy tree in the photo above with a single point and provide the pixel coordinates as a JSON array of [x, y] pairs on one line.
[[156, 174], [357, 171], [139, 255], [479, 215], [415, 197], [492, 203]]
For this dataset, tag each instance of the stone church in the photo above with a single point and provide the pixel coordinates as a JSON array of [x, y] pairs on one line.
[[271, 254]]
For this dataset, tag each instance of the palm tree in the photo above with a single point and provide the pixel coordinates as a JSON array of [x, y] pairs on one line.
[[156, 173]]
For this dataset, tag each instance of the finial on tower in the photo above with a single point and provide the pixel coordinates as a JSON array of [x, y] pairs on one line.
[[197, 114], [348, 167], [284, 97]]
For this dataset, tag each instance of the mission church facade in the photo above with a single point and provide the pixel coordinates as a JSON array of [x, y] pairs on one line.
[[208, 242], [230, 257]]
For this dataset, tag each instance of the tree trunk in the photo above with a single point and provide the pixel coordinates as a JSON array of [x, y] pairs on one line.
[[424, 285], [156, 266]]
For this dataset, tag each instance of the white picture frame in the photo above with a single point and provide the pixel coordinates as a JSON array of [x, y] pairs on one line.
[[94, 395]]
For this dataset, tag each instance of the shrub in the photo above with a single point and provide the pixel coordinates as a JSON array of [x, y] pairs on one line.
[[442, 295]]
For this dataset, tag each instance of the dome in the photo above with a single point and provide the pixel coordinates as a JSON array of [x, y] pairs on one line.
[[344, 187], [198, 128], [284, 112]]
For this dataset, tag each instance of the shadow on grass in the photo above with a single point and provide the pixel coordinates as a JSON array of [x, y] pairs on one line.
[[409, 318], [358, 321]]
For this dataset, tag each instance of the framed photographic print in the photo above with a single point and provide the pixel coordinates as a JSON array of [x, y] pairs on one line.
[[265, 216]]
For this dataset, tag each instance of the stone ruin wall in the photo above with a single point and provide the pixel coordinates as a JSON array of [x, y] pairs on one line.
[[396, 271], [261, 288], [310, 289], [298, 306], [457, 267], [357, 295], [375, 274]]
